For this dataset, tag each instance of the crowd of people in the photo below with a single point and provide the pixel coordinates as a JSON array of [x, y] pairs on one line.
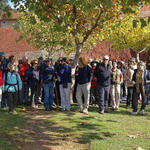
[[100, 82]]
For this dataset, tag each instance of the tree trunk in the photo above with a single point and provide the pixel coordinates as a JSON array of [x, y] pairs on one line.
[[78, 52]]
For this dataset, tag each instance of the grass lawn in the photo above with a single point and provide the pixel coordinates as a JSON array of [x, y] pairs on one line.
[[56, 130]]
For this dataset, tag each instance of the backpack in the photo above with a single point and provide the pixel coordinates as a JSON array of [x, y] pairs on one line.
[[9, 85]]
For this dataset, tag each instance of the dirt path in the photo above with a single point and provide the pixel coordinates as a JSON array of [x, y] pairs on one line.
[[42, 135]]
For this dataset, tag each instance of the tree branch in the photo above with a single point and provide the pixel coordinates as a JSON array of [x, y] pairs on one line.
[[91, 30], [50, 10]]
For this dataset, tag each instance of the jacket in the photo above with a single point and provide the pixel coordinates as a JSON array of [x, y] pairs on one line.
[[48, 74], [65, 74], [103, 74], [22, 70], [129, 75], [12, 83], [116, 76], [94, 80], [85, 74]]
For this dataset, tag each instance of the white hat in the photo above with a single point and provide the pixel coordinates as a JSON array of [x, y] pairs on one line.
[[106, 57]]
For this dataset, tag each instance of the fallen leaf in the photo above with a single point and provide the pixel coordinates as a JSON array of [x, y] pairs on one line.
[[139, 148], [132, 136]]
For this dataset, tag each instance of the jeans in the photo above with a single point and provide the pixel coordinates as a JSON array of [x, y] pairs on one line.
[[34, 94], [48, 94], [135, 100], [130, 96], [24, 93], [103, 97]]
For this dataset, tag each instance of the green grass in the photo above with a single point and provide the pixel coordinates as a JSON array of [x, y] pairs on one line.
[[116, 130]]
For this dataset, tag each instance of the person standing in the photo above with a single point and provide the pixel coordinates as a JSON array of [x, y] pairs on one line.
[[64, 75], [25, 87], [103, 74], [140, 80], [85, 77], [116, 80], [128, 76], [48, 77], [12, 84]]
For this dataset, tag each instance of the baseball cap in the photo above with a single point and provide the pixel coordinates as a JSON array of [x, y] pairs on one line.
[[106, 57], [132, 59], [48, 59]]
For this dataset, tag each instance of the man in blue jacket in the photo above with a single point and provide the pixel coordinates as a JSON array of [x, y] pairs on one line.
[[48, 77], [103, 74]]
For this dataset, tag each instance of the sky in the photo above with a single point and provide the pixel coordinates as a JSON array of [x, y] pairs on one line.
[[10, 3]]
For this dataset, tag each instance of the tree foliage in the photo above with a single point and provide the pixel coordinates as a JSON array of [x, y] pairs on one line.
[[84, 20], [5, 9], [43, 35], [131, 33]]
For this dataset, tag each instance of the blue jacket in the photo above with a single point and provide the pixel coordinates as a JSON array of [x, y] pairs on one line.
[[47, 74], [85, 75], [103, 74], [12, 83], [65, 74]]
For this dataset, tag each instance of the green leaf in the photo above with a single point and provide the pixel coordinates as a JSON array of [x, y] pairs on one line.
[[148, 19], [108, 3], [135, 23], [143, 23]]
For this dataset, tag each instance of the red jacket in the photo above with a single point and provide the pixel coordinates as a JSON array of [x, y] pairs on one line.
[[94, 81], [22, 70], [1, 78]]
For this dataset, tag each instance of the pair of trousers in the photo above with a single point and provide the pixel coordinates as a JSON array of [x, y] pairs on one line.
[[48, 94], [130, 96], [4, 100], [135, 99], [65, 96], [115, 95], [103, 97], [24, 93], [83, 89], [93, 95], [34, 93], [12, 98]]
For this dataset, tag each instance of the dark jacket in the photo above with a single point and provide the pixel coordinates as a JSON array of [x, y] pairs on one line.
[[103, 74], [48, 74], [144, 78], [65, 74], [85, 75]]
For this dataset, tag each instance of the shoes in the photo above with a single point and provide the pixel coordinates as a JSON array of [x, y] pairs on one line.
[[101, 111], [79, 110], [10, 112], [106, 110], [85, 111], [68, 109], [134, 113], [142, 112], [14, 112]]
